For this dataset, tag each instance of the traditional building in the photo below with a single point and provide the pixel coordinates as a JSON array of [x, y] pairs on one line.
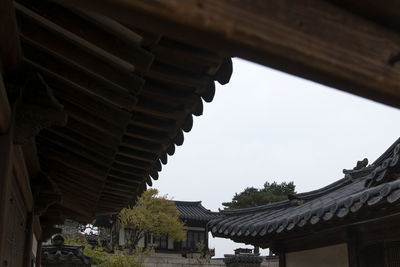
[[352, 222], [193, 213]]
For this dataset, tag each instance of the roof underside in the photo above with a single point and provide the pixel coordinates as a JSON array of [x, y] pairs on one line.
[[129, 95], [363, 194], [130, 75]]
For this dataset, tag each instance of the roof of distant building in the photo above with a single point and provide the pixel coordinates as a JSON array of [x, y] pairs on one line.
[[364, 187], [193, 210]]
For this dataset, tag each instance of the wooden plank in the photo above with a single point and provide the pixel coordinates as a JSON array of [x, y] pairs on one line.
[[312, 39], [10, 47]]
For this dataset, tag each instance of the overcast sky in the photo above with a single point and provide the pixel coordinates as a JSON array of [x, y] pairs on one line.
[[266, 125]]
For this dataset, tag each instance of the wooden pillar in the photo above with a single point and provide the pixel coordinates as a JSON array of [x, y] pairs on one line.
[[39, 253], [5, 111], [352, 248], [282, 259], [6, 148], [28, 240]]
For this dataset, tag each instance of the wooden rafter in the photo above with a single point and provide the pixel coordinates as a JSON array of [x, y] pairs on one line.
[[312, 39]]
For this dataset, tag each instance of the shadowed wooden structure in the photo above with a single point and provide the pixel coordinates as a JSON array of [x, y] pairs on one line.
[[95, 95]]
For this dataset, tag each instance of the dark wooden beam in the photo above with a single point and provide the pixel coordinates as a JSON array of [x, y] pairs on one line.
[[10, 47], [170, 95], [79, 149], [88, 143], [72, 74], [78, 54], [135, 163], [134, 154], [153, 108], [148, 135], [144, 120], [53, 153], [97, 29], [91, 120], [186, 56], [139, 144], [312, 39], [75, 39], [134, 178], [80, 127]]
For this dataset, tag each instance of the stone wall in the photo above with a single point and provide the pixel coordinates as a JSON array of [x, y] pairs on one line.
[[171, 261]]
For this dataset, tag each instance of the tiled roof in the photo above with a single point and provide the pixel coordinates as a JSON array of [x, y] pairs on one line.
[[193, 210], [189, 210], [361, 188]]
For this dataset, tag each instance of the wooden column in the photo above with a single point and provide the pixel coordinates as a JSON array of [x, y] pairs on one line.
[[10, 47], [39, 253], [5, 111], [352, 248], [28, 240], [6, 148]]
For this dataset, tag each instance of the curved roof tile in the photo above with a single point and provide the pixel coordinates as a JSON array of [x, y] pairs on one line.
[[361, 188]]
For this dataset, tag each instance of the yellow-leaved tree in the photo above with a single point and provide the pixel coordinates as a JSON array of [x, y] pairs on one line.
[[152, 214]]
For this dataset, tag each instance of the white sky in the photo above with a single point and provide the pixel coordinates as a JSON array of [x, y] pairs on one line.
[[266, 125]]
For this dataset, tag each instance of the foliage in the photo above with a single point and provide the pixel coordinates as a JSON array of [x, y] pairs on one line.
[[204, 256], [252, 197], [152, 214], [102, 258]]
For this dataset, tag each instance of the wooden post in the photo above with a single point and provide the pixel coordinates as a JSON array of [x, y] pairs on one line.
[[28, 240], [39, 253], [6, 148], [282, 259], [10, 47], [352, 248], [5, 111]]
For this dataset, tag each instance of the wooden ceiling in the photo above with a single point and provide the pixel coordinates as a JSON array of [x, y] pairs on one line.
[[350, 45], [129, 95]]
